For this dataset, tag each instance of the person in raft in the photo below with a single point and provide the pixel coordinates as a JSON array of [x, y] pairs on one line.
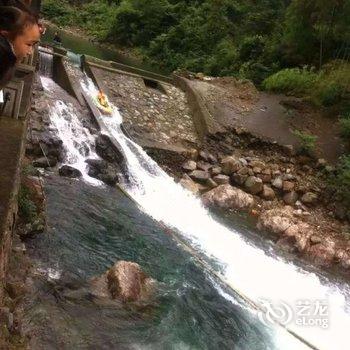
[[102, 99], [19, 33]]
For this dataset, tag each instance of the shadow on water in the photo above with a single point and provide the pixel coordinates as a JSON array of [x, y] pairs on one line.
[[89, 228]]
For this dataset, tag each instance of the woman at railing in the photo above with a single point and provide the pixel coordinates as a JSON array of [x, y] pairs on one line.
[[19, 33]]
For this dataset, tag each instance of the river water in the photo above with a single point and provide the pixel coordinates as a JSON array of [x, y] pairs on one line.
[[91, 227]]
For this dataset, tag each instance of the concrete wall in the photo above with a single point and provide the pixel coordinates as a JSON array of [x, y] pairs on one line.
[[202, 119], [12, 147], [125, 69], [13, 134], [61, 77]]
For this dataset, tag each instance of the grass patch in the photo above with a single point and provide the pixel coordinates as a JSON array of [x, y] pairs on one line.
[[340, 182], [307, 141], [345, 128], [326, 88], [292, 81], [332, 85]]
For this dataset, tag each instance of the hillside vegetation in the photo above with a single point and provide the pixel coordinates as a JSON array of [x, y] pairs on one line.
[[249, 38]]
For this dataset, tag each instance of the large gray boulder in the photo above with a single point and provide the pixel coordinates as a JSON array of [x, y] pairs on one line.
[[309, 198], [254, 185], [69, 171], [190, 185], [109, 176], [96, 166], [228, 197], [200, 176], [290, 198], [124, 281], [221, 179], [230, 165], [189, 165], [107, 151], [104, 171], [127, 281], [268, 193]]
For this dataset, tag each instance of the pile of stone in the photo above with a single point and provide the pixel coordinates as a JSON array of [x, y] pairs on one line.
[[296, 235], [204, 172], [282, 192]]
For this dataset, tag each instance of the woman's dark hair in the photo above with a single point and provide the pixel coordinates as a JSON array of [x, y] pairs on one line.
[[14, 21], [7, 61], [17, 3]]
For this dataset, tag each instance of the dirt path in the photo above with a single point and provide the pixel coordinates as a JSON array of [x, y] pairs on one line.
[[274, 117]]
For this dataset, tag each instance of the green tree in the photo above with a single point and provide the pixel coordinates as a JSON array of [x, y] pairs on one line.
[[315, 26], [137, 22]]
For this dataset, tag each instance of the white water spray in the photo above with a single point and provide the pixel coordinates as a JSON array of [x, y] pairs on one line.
[[77, 140]]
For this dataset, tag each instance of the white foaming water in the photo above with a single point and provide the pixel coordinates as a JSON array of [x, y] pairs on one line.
[[46, 62], [77, 140], [247, 268]]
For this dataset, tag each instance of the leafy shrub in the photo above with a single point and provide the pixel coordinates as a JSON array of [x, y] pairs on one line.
[[294, 81], [58, 11], [328, 94], [254, 71], [308, 142], [26, 207], [332, 84], [96, 18], [345, 126], [341, 180], [251, 48], [138, 22], [224, 60]]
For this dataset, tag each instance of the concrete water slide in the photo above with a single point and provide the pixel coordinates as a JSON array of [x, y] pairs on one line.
[[91, 66]]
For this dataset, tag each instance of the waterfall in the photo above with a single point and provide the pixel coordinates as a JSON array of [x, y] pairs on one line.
[[260, 277], [78, 142]]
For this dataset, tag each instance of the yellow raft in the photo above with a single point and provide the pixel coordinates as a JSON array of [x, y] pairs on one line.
[[107, 110]]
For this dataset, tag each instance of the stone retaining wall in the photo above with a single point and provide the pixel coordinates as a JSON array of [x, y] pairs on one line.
[[12, 147], [202, 119]]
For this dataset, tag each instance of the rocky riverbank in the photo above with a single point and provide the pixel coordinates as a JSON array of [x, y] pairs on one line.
[[286, 192], [31, 220]]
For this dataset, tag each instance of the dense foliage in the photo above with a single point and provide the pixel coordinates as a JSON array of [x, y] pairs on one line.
[[326, 87], [340, 181], [245, 38]]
